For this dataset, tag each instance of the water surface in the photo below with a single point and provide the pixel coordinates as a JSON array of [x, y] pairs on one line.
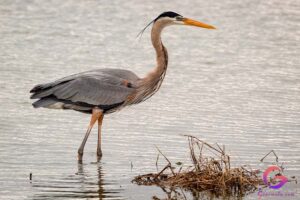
[[238, 85]]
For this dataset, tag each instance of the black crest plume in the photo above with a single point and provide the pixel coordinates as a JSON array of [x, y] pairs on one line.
[[167, 14], [164, 14]]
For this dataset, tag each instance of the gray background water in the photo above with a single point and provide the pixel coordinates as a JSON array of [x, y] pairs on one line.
[[238, 85]]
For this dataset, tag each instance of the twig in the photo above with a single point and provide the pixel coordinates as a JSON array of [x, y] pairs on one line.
[[156, 163], [217, 150], [166, 167], [166, 160], [272, 151]]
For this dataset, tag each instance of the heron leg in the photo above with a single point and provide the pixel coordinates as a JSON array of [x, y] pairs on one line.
[[96, 113], [99, 151]]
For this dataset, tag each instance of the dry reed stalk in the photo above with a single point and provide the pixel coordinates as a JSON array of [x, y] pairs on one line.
[[209, 173]]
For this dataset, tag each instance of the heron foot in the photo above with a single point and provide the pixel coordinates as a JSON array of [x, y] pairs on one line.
[[99, 154], [80, 155]]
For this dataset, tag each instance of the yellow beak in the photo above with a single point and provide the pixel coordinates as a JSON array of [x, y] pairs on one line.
[[192, 22]]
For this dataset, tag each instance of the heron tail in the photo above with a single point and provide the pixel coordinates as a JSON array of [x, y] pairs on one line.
[[47, 102]]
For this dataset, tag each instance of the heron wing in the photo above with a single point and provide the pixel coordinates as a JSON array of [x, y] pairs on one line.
[[97, 87]]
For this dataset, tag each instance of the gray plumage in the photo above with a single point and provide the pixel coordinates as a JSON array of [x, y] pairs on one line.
[[104, 88]]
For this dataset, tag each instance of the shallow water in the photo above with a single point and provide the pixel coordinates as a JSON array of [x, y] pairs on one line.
[[238, 85]]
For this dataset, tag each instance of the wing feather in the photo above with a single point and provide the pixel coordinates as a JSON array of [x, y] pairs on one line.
[[98, 87]]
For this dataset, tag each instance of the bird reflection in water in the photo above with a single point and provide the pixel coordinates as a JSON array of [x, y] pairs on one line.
[[85, 183]]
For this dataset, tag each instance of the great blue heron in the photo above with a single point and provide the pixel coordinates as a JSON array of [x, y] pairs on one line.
[[104, 91]]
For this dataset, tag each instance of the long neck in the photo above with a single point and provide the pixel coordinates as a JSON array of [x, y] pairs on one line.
[[150, 84], [161, 51]]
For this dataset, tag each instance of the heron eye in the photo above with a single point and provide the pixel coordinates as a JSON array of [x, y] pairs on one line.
[[179, 18]]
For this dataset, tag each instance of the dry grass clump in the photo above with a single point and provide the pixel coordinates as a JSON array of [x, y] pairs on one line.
[[208, 173]]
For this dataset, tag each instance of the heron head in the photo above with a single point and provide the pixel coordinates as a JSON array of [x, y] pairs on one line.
[[170, 18]]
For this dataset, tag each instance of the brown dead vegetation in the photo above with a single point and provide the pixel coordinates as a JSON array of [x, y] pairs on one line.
[[208, 173]]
